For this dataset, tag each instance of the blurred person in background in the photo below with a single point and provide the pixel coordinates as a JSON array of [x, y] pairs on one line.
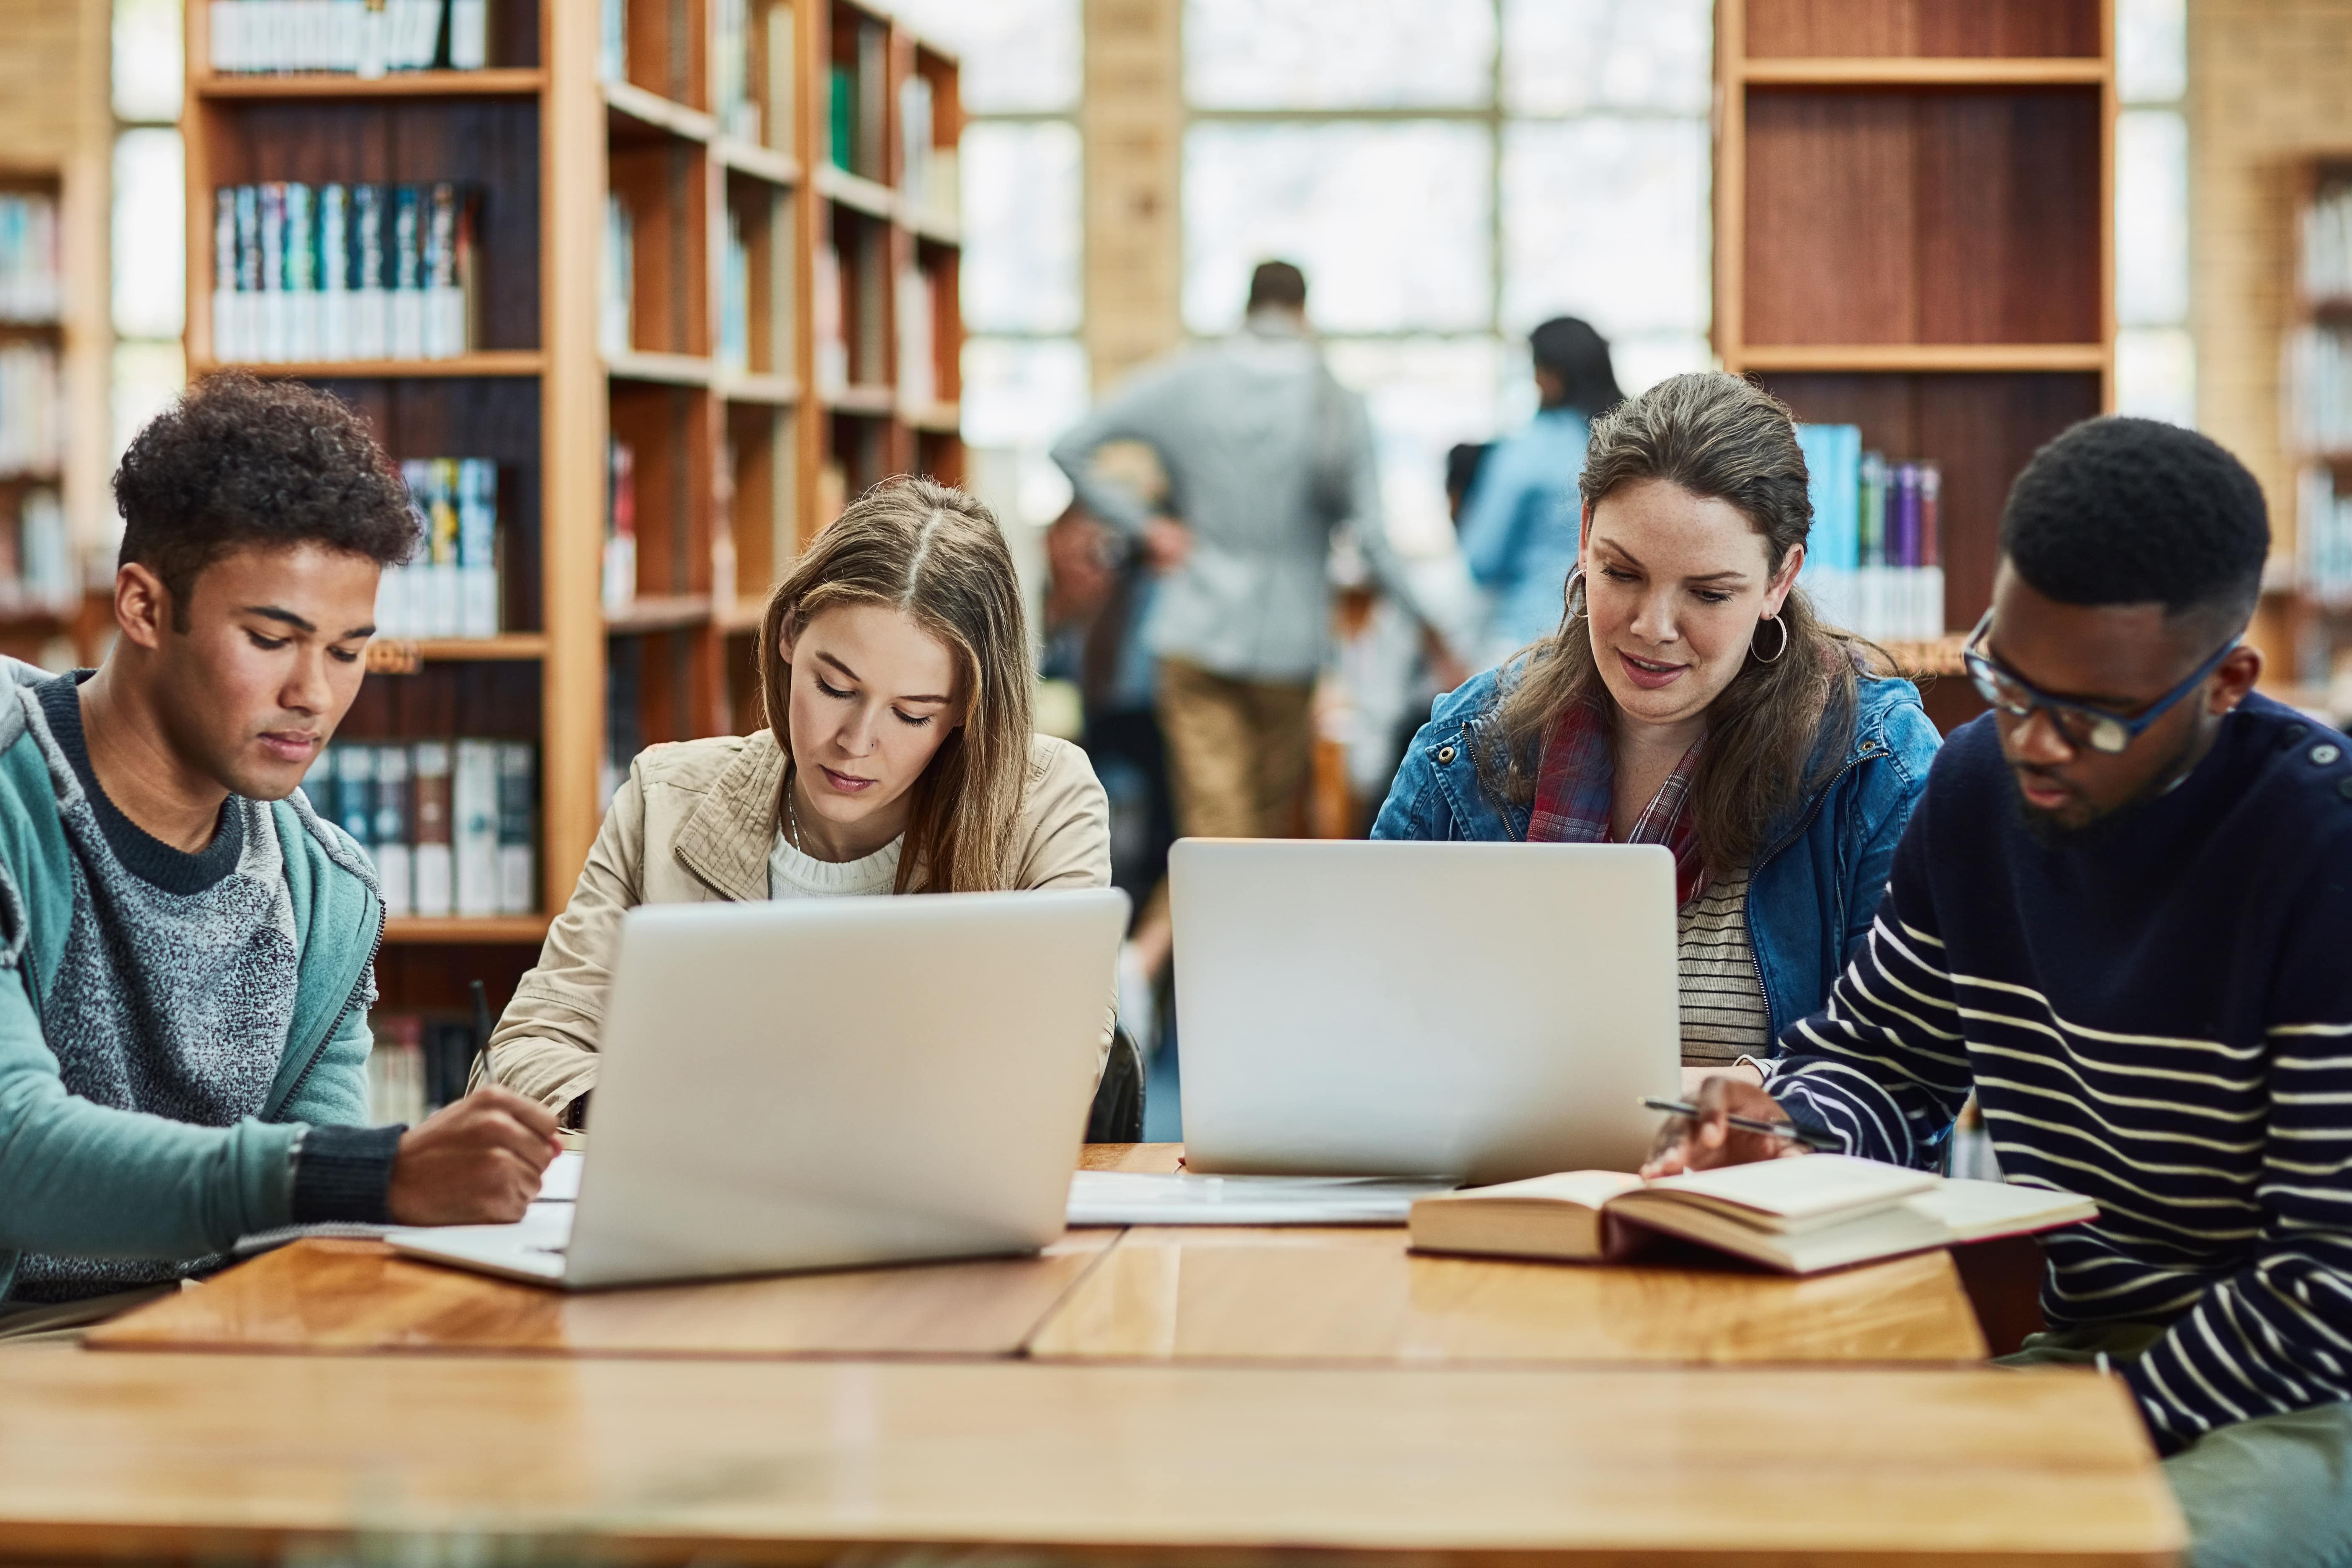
[[1518, 521], [1266, 455]]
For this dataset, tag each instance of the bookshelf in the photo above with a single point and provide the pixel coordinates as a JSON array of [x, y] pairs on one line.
[[2314, 600], [1913, 234], [53, 347], [682, 324]]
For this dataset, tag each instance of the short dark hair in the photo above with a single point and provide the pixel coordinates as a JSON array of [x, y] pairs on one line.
[[1572, 350], [1277, 283], [239, 461], [2120, 511]]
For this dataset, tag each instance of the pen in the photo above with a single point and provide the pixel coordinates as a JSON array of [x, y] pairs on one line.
[[1787, 1130], [482, 1035]]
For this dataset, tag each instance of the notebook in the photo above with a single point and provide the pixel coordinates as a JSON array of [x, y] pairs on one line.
[[1798, 1215]]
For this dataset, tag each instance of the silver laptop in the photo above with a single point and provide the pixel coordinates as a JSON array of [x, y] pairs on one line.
[[1479, 1011], [826, 1083]]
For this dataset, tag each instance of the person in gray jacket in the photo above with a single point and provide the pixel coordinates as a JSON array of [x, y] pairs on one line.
[[1265, 454]]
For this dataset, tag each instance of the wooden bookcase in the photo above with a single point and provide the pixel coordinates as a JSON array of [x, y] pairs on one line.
[[2314, 630], [741, 448], [1914, 234]]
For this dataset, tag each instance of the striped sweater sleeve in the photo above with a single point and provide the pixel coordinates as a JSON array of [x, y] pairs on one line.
[[2275, 1335], [1883, 1066]]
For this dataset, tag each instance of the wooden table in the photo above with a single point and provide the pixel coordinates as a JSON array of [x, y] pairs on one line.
[[1193, 1293], [1294, 1294], [795, 1461], [1216, 1398]]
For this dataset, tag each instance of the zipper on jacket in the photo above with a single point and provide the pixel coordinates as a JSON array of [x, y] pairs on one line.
[[1820, 798], [319, 1049]]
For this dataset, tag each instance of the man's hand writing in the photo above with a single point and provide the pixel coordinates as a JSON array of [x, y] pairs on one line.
[[1703, 1141], [478, 1162]]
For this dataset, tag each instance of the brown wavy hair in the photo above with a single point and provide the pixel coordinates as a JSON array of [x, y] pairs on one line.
[[1723, 438], [936, 554]]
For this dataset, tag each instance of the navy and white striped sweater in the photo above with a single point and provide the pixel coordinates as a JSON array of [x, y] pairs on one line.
[[2159, 1017]]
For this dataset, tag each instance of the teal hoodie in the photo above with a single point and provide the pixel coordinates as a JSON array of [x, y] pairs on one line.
[[82, 1179]]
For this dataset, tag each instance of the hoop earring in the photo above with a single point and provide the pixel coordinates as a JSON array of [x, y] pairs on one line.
[[1578, 606], [1771, 621]]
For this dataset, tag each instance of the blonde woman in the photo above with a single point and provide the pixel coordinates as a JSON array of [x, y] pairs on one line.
[[896, 674]]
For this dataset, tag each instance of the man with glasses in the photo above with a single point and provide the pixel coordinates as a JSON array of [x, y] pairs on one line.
[[2122, 917]]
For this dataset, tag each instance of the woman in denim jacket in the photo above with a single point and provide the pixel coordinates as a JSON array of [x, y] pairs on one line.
[[1690, 698]]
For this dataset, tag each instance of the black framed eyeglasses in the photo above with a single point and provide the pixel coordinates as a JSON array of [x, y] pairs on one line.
[[2078, 722]]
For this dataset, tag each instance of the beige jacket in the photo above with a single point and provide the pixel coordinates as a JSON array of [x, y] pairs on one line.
[[694, 823]]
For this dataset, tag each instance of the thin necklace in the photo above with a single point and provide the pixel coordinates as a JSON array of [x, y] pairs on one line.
[[793, 818]]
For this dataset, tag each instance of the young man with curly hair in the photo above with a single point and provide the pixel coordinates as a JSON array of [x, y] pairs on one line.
[[2120, 917], [186, 950]]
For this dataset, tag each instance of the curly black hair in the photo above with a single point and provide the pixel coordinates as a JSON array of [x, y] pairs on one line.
[[2134, 512], [239, 461]]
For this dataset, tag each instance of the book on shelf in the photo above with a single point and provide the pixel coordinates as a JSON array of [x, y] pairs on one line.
[[451, 589], [841, 115], [342, 272], [32, 286], [2319, 378], [451, 826], [361, 37], [1796, 1215], [919, 379], [873, 102], [832, 343], [2327, 243], [613, 40], [616, 279], [780, 72], [915, 137], [39, 570], [620, 575], [1873, 561], [735, 295], [2322, 537], [739, 111], [870, 336], [32, 411], [420, 1063]]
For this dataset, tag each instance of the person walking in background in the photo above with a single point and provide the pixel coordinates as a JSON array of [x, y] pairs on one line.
[[1265, 456], [1518, 522]]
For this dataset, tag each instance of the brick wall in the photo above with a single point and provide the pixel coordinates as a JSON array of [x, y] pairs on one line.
[[2269, 84]]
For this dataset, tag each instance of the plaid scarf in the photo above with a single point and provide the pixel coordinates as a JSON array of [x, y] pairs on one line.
[[1573, 786]]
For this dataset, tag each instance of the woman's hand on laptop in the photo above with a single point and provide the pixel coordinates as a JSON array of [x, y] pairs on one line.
[[1708, 1140], [476, 1162]]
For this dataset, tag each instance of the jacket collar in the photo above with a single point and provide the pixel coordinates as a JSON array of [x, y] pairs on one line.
[[727, 839]]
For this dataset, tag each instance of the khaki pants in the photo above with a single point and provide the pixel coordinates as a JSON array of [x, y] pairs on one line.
[[1238, 750]]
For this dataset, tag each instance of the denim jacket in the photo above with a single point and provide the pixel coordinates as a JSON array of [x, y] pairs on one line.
[[1813, 889]]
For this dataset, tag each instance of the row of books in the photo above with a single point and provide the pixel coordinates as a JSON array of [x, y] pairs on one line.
[[1873, 561], [364, 38], [848, 307], [2319, 370], [928, 180], [38, 569], [856, 119], [620, 575], [2327, 244], [617, 281], [451, 589], [32, 410], [419, 1065], [740, 114], [451, 826], [2323, 537], [339, 272], [32, 286]]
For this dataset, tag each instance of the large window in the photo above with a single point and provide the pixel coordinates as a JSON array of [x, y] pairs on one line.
[[1025, 377], [1450, 172], [2156, 364], [149, 232]]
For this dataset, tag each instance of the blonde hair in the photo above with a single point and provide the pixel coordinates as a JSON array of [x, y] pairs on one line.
[[936, 555]]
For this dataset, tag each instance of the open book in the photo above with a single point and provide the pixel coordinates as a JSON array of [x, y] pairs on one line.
[[1799, 1215]]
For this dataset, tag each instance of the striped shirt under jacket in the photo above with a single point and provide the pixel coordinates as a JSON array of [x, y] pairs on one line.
[[2156, 1014]]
